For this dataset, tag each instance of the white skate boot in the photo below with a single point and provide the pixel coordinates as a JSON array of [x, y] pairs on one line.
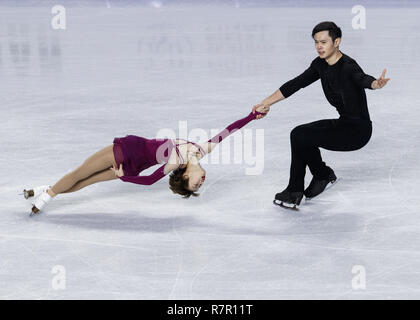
[[35, 192], [40, 202]]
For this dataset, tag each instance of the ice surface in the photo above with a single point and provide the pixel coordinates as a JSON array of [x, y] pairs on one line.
[[135, 70]]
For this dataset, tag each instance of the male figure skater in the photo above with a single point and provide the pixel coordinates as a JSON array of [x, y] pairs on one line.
[[344, 84]]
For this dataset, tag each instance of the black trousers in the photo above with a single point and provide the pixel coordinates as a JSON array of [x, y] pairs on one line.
[[333, 134]]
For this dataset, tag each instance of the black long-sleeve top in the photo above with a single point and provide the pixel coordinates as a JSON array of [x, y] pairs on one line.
[[343, 84]]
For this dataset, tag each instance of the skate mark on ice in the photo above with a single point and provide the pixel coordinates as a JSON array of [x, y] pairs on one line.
[[76, 241]]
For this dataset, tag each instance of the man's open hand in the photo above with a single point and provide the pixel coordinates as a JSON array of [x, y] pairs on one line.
[[381, 81]]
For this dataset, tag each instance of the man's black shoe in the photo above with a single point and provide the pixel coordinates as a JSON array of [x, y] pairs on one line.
[[317, 186], [288, 199]]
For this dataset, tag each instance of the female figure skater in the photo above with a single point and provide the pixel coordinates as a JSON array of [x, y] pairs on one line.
[[128, 156]]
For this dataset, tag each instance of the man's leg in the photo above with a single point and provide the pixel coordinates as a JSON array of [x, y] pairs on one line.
[[305, 152], [330, 134]]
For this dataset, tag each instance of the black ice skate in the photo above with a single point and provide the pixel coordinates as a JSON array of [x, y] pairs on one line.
[[288, 199], [317, 186]]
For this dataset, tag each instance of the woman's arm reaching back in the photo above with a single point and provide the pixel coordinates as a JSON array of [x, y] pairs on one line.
[[232, 128]]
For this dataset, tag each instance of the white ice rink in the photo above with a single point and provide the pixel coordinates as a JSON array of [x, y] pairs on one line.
[[114, 71]]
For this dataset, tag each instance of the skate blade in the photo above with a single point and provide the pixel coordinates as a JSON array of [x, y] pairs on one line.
[[285, 206], [34, 214]]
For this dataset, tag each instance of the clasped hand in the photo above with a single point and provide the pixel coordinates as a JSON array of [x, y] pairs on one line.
[[262, 108]]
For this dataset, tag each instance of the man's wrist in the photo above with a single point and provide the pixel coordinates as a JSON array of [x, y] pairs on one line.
[[374, 84]]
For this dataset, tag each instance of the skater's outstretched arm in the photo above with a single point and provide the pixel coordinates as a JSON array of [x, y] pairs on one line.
[[357, 75], [264, 106], [303, 80], [232, 128]]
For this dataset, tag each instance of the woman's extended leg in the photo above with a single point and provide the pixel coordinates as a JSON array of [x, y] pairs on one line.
[[104, 175], [101, 160]]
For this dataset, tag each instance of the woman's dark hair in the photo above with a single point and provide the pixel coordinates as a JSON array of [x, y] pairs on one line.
[[179, 185], [333, 30]]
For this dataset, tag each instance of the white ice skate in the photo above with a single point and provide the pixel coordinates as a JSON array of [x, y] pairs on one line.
[[35, 192], [40, 202]]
